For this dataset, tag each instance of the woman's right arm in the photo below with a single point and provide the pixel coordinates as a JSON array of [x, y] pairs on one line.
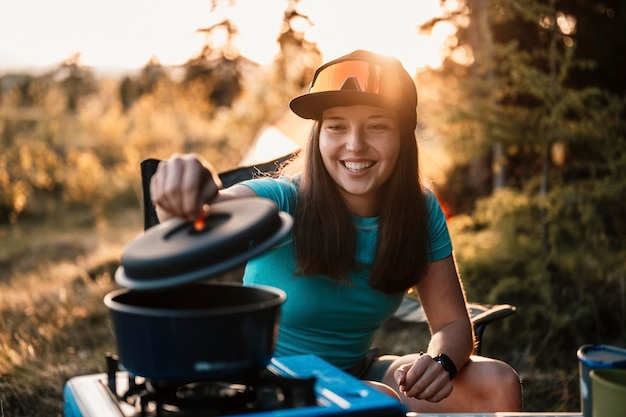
[[184, 184]]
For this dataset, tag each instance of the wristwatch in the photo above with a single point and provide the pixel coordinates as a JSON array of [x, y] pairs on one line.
[[443, 360]]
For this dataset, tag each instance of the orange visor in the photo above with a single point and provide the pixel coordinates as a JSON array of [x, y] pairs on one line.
[[353, 75]]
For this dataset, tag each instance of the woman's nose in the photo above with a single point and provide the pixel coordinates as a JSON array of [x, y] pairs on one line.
[[355, 141]]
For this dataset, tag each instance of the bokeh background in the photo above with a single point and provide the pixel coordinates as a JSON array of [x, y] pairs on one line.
[[521, 130]]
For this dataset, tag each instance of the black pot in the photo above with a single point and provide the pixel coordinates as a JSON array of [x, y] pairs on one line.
[[195, 332], [169, 326]]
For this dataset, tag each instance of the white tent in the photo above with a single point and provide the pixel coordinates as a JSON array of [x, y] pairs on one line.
[[288, 134]]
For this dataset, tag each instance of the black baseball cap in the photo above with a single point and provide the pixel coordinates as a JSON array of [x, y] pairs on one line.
[[360, 77]]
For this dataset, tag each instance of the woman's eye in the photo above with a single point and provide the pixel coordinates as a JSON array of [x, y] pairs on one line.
[[379, 127], [335, 127]]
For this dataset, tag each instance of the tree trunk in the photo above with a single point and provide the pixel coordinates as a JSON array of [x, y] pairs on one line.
[[481, 40]]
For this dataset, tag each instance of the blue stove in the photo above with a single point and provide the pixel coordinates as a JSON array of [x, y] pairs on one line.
[[292, 386]]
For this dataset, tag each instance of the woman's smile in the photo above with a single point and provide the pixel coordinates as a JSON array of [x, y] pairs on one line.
[[357, 167]]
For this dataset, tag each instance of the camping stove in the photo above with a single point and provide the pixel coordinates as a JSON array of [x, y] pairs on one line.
[[290, 386]]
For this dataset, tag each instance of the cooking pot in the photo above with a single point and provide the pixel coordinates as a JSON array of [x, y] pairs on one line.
[[168, 325], [195, 332]]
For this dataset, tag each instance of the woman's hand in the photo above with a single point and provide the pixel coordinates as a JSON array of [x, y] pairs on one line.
[[424, 379], [182, 185]]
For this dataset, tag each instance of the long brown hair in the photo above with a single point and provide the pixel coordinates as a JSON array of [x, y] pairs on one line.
[[324, 234]]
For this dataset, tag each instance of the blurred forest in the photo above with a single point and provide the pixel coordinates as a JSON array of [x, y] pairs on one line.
[[529, 108]]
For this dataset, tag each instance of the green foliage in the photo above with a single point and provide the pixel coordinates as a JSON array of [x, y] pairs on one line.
[[561, 259], [551, 241], [571, 295]]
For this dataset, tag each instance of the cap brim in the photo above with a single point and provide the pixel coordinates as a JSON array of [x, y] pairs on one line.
[[311, 106]]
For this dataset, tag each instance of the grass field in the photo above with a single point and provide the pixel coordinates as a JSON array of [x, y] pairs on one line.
[[53, 324]]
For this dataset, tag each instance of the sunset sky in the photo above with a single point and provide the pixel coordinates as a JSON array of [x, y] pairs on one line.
[[124, 33]]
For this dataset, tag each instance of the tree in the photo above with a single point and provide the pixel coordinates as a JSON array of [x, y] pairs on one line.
[[217, 71], [131, 89], [76, 80], [550, 240]]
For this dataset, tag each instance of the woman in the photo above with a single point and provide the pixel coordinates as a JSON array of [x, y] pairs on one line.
[[365, 230]]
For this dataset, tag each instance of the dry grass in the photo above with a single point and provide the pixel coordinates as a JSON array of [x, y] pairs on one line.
[[53, 324]]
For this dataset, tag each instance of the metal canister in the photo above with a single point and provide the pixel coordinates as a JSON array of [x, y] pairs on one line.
[[596, 357]]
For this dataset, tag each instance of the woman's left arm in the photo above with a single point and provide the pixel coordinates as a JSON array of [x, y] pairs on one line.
[[443, 300]]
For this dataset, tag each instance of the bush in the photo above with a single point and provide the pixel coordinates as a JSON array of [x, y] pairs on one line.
[[569, 288]]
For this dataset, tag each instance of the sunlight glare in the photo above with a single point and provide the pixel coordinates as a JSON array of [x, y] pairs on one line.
[[130, 34], [566, 23], [390, 28], [258, 24], [462, 55]]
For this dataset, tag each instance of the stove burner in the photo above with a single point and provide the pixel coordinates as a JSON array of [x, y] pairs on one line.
[[199, 391], [265, 392]]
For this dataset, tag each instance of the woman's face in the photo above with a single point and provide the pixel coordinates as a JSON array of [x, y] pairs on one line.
[[359, 146]]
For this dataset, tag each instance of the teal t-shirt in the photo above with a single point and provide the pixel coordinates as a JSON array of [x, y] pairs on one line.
[[322, 316]]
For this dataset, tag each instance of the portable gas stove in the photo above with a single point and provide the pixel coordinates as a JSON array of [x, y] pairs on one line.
[[290, 386]]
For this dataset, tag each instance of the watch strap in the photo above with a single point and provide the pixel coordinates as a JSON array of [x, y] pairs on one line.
[[445, 361]]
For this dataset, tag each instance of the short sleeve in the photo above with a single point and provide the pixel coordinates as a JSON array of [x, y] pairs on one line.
[[281, 190], [440, 243]]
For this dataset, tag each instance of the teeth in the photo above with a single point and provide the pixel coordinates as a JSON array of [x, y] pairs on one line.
[[357, 166]]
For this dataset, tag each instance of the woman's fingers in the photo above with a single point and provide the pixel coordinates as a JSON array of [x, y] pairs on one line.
[[424, 379], [191, 178], [182, 185]]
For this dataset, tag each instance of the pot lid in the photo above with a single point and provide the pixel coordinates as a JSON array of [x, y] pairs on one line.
[[174, 252]]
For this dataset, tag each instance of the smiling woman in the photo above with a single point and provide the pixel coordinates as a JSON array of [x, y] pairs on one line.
[[129, 34]]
